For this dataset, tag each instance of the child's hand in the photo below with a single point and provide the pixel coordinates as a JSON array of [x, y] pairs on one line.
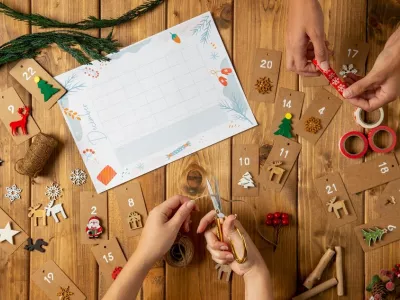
[[305, 38], [162, 227], [221, 252]]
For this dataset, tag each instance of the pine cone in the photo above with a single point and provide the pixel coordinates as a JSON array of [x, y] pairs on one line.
[[379, 289]]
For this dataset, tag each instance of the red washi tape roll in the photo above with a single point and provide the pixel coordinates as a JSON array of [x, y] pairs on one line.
[[374, 147], [332, 77], [345, 152]]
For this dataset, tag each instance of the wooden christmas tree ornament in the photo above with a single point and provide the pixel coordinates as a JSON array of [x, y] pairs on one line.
[[374, 235], [246, 181], [45, 88], [36, 213], [335, 205], [274, 169], [135, 220], [286, 127], [264, 85]]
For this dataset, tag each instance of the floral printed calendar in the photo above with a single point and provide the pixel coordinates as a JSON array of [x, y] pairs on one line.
[[154, 102]]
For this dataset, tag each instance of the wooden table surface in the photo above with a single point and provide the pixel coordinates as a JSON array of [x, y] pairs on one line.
[[244, 25]]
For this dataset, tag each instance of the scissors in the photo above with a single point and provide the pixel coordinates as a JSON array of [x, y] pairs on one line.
[[216, 200]]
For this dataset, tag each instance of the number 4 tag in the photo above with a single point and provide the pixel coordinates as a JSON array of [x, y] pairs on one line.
[[321, 111]]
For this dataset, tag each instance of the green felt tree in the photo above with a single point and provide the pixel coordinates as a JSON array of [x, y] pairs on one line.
[[286, 127], [373, 235], [45, 88]]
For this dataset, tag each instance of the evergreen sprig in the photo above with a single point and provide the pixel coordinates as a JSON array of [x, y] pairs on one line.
[[81, 46], [90, 23]]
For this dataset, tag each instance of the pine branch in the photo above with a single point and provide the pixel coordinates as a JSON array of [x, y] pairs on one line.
[[29, 46], [90, 23]]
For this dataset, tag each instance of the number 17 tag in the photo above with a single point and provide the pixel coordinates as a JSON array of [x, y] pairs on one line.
[[53, 281], [132, 207]]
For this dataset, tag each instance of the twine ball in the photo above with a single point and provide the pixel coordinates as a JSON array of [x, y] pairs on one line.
[[181, 253]]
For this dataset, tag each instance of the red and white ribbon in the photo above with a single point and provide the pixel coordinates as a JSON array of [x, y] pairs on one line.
[[332, 77]]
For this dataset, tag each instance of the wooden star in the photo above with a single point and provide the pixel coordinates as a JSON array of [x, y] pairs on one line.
[[64, 294], [7, 234]]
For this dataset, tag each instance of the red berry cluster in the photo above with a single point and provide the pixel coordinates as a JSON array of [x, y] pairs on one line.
[[277, 219], [116, 272], [392, 274]]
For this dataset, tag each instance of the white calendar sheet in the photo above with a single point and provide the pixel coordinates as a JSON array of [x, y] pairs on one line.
[[154, 102]]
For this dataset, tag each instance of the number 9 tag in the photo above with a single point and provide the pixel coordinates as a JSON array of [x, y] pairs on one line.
[[11, 109]]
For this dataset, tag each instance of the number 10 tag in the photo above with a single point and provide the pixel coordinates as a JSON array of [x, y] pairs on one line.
[[53, 281], [245, 159]]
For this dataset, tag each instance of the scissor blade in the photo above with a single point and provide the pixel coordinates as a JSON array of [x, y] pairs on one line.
[[215, 199]]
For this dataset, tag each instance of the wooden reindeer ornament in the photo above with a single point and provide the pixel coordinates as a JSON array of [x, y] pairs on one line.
[[224, 269], [21, 123], [274, 169], [335, 206], [54, 210], [35, 212]]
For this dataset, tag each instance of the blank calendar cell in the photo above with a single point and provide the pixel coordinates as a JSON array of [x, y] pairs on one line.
[[144, 72], [179, 70], [148, 83], [200, 74], [195, 64], [205, 85], [138, 101], [133, 90], [153, 95], [184, 81], [158, 105], [190, 52], [189, 92], [169, 87], [174, 58], [174, 98], [159, 65]]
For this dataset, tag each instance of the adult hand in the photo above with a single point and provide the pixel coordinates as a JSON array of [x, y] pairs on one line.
[[162, 227], [381, 85], [305, 38], [221, 252]]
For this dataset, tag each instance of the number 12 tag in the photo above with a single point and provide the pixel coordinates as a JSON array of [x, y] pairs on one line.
[[52, 280]]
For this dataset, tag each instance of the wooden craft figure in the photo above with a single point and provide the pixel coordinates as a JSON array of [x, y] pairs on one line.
[[391, 200], [21, 123], [38, 213], [224, 269], [135, 220], [38, 245], [334, 205], [54, 210], [274, 169]]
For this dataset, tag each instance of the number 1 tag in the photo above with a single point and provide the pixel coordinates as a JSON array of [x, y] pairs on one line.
[[132, 207], [53, 281], [335, 200], [245, 158], [370, 174], [93, 205], [109, 256], [267, 65]]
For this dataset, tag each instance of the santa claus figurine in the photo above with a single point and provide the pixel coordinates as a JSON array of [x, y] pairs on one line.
[[93, 228]]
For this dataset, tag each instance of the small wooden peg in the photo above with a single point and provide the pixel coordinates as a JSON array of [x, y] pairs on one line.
[[317, 273], [339, 271], [316, 290]]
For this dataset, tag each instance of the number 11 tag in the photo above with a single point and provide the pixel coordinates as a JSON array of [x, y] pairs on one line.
[[132, 207], [53, 281]]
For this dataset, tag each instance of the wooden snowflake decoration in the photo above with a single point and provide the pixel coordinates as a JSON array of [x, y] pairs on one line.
[[64, 293], [78, 177], [347, 69], [264, 85], [13, 193], [313, 125], [53, 192]]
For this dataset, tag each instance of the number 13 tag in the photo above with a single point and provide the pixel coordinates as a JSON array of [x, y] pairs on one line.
[[53, 281]]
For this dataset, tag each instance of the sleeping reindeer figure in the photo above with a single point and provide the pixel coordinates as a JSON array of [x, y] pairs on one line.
[[54, 210], [334, 205]]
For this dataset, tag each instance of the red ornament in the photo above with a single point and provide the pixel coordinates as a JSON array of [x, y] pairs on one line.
[[277, 221], [94, 228], [270, 216], [21, 123], [277, 215], [268, 222], [285, 216], [116, 272], [226, 71], [285, 222]]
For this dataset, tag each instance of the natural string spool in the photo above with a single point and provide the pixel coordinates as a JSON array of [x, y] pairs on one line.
[[181, 253], [37, 156]]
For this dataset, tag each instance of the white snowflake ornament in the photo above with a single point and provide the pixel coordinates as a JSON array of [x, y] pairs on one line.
[[346, 69], [53, 192], [78, 177], [13, 192]]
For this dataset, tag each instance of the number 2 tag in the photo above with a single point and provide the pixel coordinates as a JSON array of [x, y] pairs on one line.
[[52, 280]]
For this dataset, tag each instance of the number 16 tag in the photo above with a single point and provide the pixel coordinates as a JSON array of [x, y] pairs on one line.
[[53, 281], [93, 205], [132, 207]]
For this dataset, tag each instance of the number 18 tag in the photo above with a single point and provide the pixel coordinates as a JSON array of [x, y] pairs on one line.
[[53, 281]]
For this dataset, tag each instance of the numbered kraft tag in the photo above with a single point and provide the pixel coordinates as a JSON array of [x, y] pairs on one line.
[[352, 57], [370, 174], [11, 234], [245, 169], [318, 116], [43, 87], [279, 163], [17, 117], [379, 232], [93, 217], [132, 207], [314, 81], [287, 101], [389, 201], [264, 83], [55, 284], [109, 256], [335, 200]]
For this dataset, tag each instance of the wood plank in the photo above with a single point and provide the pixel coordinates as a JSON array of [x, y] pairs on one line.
[[342, 19], [199, 280], [382, 19], [153, 183], [270, 19], [64, 242], [14, 283]]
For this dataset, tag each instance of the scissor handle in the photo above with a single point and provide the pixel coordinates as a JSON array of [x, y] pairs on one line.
[[220, 235]]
